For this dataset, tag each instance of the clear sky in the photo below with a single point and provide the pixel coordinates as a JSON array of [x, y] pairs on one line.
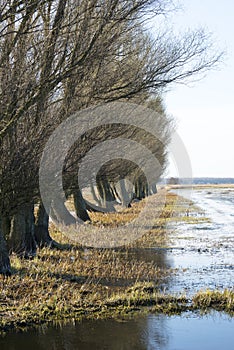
[[204, 110]]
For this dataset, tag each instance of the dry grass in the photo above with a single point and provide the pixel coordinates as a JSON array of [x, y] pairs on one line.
[[218, 300], [78, 282]]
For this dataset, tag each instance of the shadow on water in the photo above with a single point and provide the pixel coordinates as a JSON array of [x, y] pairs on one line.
[[188, 332]]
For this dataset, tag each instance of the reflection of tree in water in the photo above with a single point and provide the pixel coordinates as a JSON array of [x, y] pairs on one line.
[[157, 336], [138, 334]]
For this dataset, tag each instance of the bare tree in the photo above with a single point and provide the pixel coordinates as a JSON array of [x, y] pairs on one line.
[[59, 56]]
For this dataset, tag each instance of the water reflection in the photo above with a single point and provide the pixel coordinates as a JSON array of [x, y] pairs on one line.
[[102, 334], [145, 333], [156, 255]]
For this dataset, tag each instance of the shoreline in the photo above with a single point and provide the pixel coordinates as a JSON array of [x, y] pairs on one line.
[[197, 186]]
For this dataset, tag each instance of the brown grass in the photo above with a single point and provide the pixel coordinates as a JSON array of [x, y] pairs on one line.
[[80, 282]]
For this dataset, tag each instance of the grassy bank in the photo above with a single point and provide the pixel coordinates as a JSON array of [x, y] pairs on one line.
[[77, 282]]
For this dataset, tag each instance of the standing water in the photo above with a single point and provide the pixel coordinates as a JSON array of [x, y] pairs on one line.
[[212, 332], [203, 254]]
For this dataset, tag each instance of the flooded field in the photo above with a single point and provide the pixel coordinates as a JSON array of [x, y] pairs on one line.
[[204, 252], [197, 255], [201, 254]]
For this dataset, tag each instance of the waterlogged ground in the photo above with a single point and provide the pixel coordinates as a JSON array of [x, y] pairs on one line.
[[186, 248], [204, 252]]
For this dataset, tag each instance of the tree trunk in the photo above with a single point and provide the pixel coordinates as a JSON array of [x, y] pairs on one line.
[[60, 214], [154, 189], [80, 206], [116, 194], [42, 235], [106, 194], [145, 189], [21, 238], [5, 268], [94, 195], [6, 226], [141, 189], [125, 198], [138, 190]]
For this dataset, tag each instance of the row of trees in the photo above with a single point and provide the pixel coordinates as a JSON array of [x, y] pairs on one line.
[[58, 57]]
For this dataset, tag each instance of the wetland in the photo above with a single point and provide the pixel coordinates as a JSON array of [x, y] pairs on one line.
[[172, 285]]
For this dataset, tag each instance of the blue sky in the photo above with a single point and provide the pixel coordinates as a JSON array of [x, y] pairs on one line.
[[204, 109]]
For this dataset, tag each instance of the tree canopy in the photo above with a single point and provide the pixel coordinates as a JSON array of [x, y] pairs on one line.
[[61, 56]]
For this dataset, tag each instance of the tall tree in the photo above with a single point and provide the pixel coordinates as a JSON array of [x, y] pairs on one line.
[[59, 56]]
